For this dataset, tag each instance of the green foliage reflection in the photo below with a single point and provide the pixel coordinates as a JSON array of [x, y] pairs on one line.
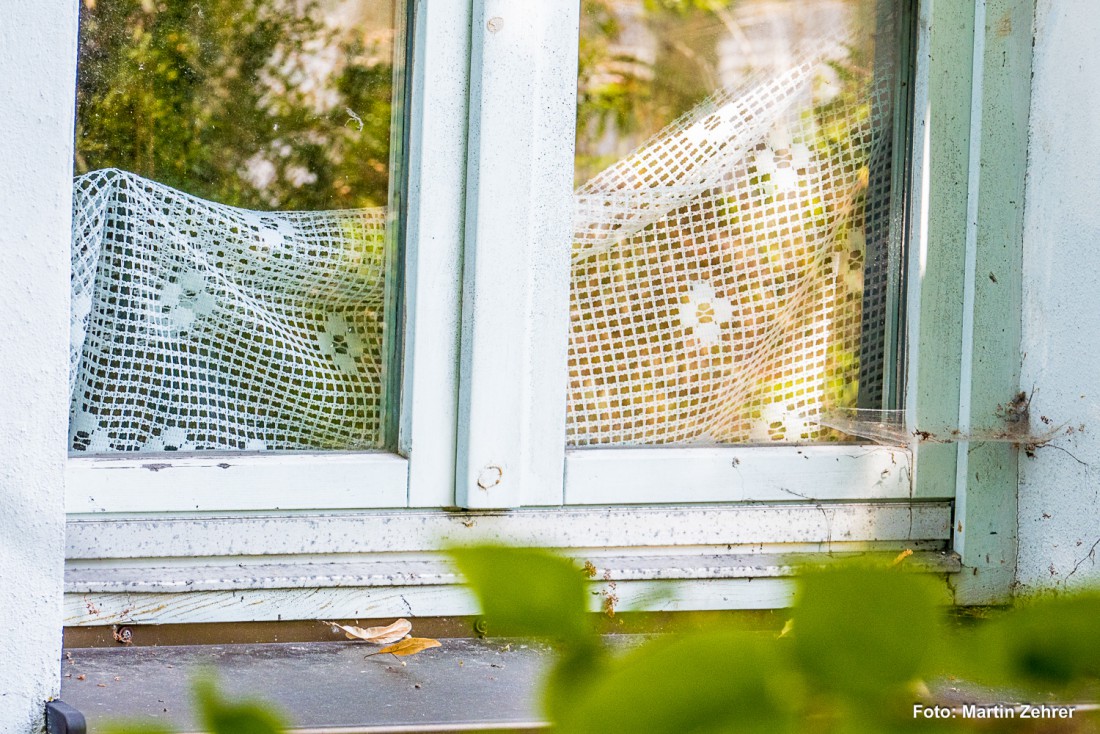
[[253, 103]]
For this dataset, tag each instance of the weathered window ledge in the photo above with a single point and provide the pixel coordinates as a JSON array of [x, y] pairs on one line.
[[465, 685]]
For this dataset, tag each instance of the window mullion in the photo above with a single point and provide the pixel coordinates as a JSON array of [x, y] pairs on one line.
[[965, 276], [511, 434], [438, 96]]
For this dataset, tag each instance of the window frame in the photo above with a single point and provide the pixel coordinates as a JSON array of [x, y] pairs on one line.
[[428, 206], [965, 315], [516, 316], [455, 366], [365, 565]]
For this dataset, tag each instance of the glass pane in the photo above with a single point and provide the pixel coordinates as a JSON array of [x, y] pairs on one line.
[[735, 266], [231, 238]]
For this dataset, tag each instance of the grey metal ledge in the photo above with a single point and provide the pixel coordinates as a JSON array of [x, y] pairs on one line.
[[465, 685]]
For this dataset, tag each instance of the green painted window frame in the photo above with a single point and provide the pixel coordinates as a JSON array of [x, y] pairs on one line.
[[965, 279]]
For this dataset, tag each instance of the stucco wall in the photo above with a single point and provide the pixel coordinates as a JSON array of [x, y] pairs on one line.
[[1059, 541], [37, 73]]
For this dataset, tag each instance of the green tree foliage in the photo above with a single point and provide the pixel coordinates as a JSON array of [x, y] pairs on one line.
[[636, 97], [254, 103], [862, 638]]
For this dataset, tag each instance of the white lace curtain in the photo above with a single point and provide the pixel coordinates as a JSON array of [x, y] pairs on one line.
[[717, 290]]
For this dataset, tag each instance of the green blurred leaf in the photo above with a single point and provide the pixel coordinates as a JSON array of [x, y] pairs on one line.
[[862, 631], [527, 592], [1044, 643], [699, 682], [124, 727], [219, 716], [578, 668]]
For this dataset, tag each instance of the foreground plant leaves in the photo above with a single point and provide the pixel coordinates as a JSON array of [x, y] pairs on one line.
[[376, 635], [216, 714], [1053, 643], [410, 646], [714, 681], [220, 716], [527, 592], [1046, 644], [865, 631], [850, 660]]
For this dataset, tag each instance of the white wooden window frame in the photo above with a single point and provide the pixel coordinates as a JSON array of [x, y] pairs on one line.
[[490, 200], [489, 227], [511, 443], [412, 477]]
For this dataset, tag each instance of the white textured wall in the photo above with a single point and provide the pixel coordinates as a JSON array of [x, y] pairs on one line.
[[37, 73], [1060, 489]]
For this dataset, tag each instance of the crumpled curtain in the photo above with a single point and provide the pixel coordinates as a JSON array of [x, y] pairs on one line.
[[718, 271], [201, 326], [716, 295]]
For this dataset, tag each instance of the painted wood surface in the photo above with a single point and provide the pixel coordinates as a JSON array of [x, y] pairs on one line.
[[96, 596], [986, 510], [974, 64], [741, 474], [937, 240], [420, 601], [187, 483], [438, 103], [90, 538], [434, 569], [519, 216]]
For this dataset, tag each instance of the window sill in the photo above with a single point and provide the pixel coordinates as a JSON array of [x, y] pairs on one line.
[[465, 685]]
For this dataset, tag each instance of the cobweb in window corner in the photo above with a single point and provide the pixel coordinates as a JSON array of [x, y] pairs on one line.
[[197, 326], [718, 271]]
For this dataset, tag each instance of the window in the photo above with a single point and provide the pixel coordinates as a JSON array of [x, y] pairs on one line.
[[255, 546], [734, 262], [201, 320], [553, 344], [737, 263], [235, 233]]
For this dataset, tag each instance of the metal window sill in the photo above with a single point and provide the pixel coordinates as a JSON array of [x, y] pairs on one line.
[[465, 685]]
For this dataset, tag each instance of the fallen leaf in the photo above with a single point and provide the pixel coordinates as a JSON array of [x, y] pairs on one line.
[[376, 635], [80, 677], [902, 556], [410, 646]]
